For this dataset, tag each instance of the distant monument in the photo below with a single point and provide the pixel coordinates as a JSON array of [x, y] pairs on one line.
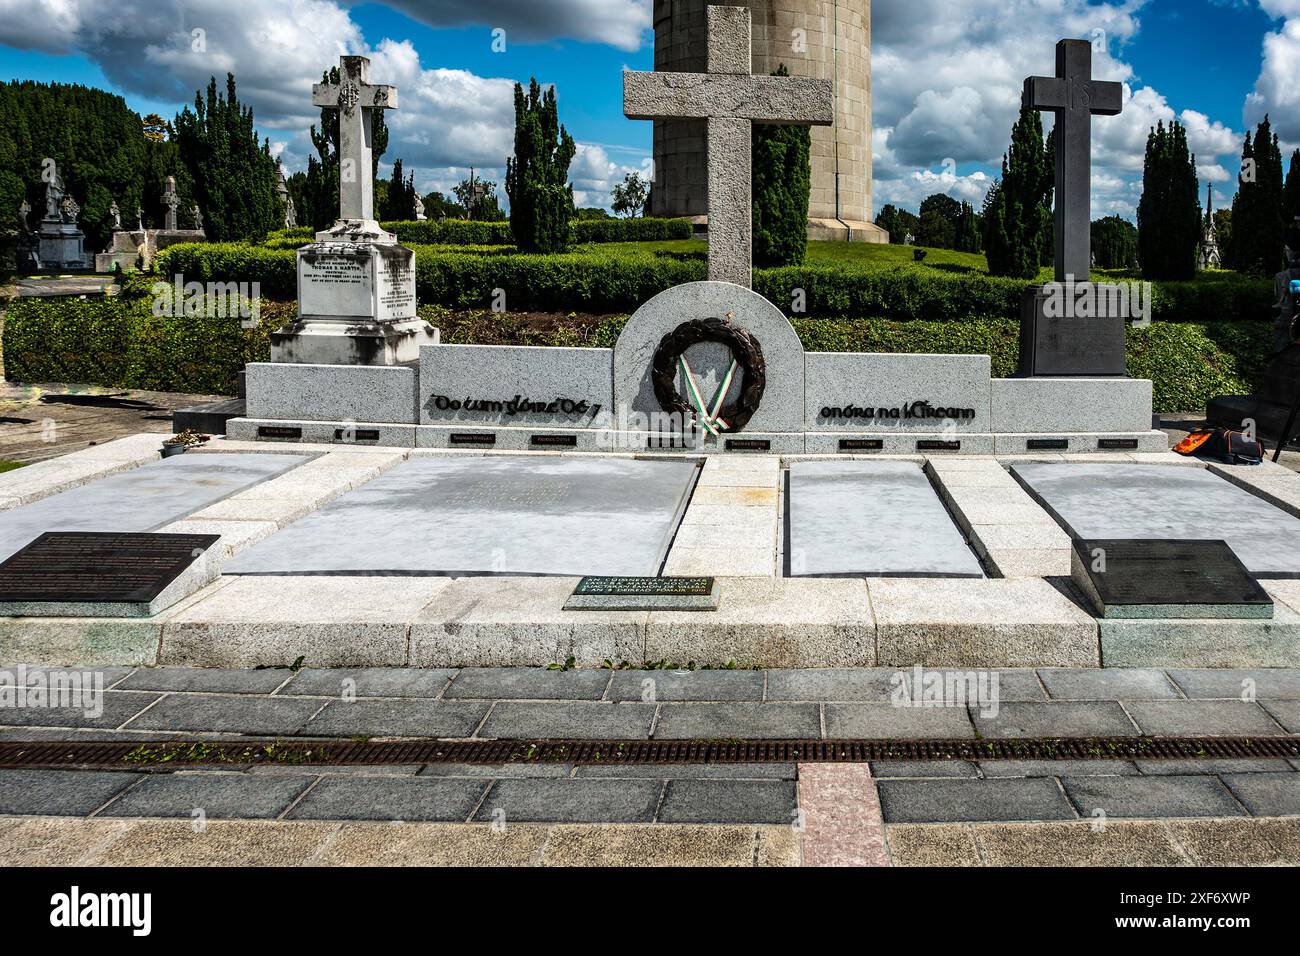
[[282, 192], [61, 244], [173, 202], [419, 209], [356, 285], [1211, 256], [133, 250]]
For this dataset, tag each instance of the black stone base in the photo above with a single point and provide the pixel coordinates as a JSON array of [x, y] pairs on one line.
[[207, 419], [1270, 408], [1063, 346]]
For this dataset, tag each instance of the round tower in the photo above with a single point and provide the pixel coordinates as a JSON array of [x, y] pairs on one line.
[[826, 39]]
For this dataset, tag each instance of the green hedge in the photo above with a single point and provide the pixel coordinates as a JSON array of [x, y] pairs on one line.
[[596, 279], [117, 342], [458, 232]]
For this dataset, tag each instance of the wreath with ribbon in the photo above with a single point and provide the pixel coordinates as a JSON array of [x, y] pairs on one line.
[[712, 414]]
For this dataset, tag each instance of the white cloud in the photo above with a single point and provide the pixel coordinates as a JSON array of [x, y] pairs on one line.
[[619, 23]]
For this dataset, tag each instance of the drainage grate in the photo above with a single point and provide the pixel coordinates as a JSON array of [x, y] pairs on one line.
[[165, 754]]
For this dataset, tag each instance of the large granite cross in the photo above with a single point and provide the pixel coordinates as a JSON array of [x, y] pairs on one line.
[[355, 99], [1075, 97], [731, 99]]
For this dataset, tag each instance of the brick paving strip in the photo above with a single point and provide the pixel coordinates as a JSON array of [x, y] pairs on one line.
[[840, 810]]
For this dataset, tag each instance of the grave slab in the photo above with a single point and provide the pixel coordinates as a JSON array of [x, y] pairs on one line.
[[142, 499], [482, 516], [883, 519], [1129, 502]]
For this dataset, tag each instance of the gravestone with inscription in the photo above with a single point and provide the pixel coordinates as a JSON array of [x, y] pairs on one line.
[[1056, 338], [356, 285]]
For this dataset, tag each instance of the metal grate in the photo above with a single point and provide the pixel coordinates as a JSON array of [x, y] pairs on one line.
[[166, 754]]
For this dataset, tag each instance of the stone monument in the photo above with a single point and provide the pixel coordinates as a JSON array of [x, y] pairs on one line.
[[356, 285], [62, 245], [1051, 343], [135, 249], [1211, 256], [173, 202], [418, 206]]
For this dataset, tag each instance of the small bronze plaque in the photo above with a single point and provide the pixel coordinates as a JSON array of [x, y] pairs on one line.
[[748, 444], [1118, 444], [1048, 444], [356, 434], [555, 441], [486, 439], [926, 445], [283, 432], [862, 444], [98, 567]]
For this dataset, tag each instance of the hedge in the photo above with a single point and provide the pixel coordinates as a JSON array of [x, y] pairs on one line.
[[459, 232], [605, 280], [117, 342]]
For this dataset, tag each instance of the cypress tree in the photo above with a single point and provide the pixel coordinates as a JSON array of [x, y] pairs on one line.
[[1257, 213], [399, 201], [537, 177], [1018, 210], [1115, 243], [235, 177], [782, 184], [1169, 213], [1291, 192]]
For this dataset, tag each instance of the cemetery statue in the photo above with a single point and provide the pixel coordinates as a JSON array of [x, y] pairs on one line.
[[115, 214], [24, 211], [290, 214], [197, 215], [139, 218], [69, 209], [419, 209], [173, 202], [54, 198], [1287, 288]]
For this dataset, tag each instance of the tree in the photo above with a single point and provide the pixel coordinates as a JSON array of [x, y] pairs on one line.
[[629, 197], [537, 177], [156, 129], [899, 223], [970, 232], [1017, 211], [1291, 191], [937, 232], [782, 184], [1223, 224], [320, 208], [1258, 224], [235, 176], [1169, 213], [438, 206], [399, 199], [478, 199], [1115, 243], [947, 223]]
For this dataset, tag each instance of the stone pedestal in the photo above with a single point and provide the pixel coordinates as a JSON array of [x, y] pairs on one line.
[[62, 246], [1056, 342], [124, 249], [356, 302]]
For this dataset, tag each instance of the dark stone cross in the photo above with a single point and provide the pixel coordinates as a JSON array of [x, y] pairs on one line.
[[1075, 97]]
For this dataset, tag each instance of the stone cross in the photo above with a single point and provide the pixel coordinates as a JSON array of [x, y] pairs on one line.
[[355, 99], [173, 202], [732, 100], [1075, 97]]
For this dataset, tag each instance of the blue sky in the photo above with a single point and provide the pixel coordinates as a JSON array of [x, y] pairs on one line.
[[946, 75]]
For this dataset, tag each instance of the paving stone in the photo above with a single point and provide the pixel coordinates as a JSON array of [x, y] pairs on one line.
[[570, 801], [1058, 768], [1266, 794], [528, 683], [656, 845], [73, 793], [922, 769], [58, 841], [946, 845], [663, 685], [1192, 768], [497, 771], [877, 685], [1201, 718], [1245, 842], [713, 771], [746, 721], [218, 795], [888, 722], [117, 708], [1286, 713], [1064, 719], [433, 845], [568, 720], [110, 676], [154, 843], [398, 718], [207, 680], [1281, 684], [729, 801], [965, 801], [240, 715], [368, 682], [390, 798], [1153, 797], [1129, 843], [1108, 684]]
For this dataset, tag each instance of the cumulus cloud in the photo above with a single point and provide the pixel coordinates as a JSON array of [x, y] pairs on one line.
[[619, 23]]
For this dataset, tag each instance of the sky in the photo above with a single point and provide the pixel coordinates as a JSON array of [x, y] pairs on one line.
[[947, 76]]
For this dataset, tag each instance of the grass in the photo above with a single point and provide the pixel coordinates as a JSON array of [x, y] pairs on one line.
[[10, 466]]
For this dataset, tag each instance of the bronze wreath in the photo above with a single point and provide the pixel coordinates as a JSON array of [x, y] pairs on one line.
[[744, 349]]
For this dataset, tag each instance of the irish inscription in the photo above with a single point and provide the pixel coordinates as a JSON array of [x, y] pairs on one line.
[[915, 411]]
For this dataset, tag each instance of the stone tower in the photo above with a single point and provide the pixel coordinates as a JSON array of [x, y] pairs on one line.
[[827, 39]]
